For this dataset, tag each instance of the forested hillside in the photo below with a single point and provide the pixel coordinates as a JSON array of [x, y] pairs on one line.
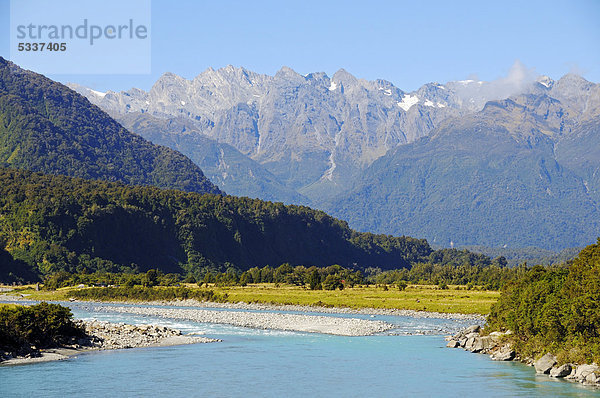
[[55, 223], [47, 127]]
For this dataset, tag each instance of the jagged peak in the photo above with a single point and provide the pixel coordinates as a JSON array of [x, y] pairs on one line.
[[317, 76], [232, 69], [131, 91], [381, 83], [343, 76], [169, 77], [573, 77], [287, 71], [572, 80]]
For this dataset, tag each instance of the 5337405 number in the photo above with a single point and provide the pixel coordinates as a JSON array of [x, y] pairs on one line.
[[26, 46]]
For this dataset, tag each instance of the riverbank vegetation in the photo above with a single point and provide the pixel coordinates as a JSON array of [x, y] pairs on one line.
[[141, 293], [554, 309], [443, 267], [26, 329], [449, 281]]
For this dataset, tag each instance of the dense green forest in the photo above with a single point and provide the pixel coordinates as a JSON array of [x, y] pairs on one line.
[[554, 309], [47, 127], [12, 270], [530, 255], [57, 223], [444, 267]]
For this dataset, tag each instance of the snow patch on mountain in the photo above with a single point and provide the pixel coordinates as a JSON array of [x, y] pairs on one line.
[[98, 93], [408, 101]]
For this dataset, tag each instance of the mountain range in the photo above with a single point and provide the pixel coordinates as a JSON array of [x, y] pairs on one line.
[[116, 217], [513, 162]]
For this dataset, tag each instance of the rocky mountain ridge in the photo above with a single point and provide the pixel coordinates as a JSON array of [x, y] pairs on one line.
[[313, 133], [368, 151]]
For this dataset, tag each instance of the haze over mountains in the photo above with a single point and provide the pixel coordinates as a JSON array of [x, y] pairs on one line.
[[511, 162]]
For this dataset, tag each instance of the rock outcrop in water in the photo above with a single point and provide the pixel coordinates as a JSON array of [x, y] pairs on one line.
[[499, 349], [111, 336]]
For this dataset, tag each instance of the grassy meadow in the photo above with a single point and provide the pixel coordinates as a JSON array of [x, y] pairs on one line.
[[455, 299]]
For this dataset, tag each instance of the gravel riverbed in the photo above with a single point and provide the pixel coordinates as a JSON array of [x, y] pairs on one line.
[[330, 310], [259, 320], [306, 308]]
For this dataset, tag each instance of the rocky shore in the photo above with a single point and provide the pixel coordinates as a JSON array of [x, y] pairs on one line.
[[496, 346], [259, 320], [107, 336], [112, 336]]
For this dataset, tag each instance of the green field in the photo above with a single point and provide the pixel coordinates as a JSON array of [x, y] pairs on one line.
[[456, 299], [414, 297]]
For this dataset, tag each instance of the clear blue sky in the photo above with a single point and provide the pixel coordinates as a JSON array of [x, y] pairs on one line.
[[406, 42]]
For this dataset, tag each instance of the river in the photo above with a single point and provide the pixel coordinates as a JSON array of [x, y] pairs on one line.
[[266, 363]]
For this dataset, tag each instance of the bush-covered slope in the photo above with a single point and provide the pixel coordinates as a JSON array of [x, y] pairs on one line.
[[56, 223], [47, 127], [555, 310], [12, 270]]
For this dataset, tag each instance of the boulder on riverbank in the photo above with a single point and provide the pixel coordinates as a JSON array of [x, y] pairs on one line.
[[561, 371], [545, 363], [505, 353], [586, 374], [471, 340]]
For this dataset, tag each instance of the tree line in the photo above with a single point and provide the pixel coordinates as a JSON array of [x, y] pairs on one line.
[[449, 266]]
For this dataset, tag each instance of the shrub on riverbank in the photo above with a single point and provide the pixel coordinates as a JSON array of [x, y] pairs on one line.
[[43, 325], [139, 293], [554, 310]]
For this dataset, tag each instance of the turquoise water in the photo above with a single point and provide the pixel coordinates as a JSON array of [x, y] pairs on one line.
[[256, 363]]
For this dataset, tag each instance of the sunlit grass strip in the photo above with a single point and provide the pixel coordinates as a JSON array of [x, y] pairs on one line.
[[419, 298], [456, 299]]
